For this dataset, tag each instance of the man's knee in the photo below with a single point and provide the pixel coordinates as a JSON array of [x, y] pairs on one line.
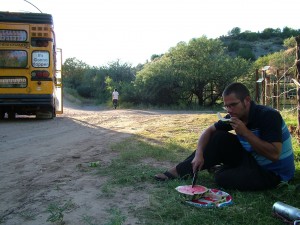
[[227, 178], [240, 180], [220, 180], [222, 137]]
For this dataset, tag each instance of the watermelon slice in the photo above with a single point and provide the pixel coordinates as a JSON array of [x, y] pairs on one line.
[[189, 190]]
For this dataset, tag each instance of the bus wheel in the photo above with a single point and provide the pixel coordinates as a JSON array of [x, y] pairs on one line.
[[44, 115], [11, 115], [2, 115], [51, 115], [54, 112]]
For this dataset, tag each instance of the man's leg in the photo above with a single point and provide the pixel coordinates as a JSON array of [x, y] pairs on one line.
[[248, 176], [172, 172], [223, 148], [184, 168]]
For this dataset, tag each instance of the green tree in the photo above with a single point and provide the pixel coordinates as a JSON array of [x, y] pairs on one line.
[[246, 53], [288, 32], [92, 82], [188, 70], [234, 46], [249, 36], [120, 72], [157, 84], [270, 33], [118, 75], [281, 60], [87, 87], [235, 31], [74, 70], [289, 42], [155, 56], [206, 65]]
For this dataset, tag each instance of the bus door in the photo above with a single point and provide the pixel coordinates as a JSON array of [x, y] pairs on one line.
[[58, 82]]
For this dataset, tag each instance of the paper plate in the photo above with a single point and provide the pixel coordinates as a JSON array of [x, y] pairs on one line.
[[212, 198], [189, 190]]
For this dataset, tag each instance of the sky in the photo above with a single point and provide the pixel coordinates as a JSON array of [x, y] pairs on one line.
[[99, 32]]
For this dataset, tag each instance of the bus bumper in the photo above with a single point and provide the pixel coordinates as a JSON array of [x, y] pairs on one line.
[[26, 104]]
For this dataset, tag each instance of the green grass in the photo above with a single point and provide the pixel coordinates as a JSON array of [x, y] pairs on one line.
[[139, 158]]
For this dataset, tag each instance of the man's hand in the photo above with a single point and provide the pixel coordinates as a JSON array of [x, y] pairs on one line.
[[239, 126], [197, 162]]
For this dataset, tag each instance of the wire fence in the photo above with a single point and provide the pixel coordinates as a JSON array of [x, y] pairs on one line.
[[277, 90]]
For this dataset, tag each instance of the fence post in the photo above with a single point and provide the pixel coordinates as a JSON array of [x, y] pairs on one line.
[[298, 79], [263, 85], [277, 90], [256, 87]]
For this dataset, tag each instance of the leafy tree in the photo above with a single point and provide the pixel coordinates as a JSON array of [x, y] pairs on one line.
[[99, 84], [187, 70], [87, 88], [129, 93], [208, 64], [282, 60], [157, 83], [155, 56], [92, 82], [288, 32], [233, 46], [235, 31], [249, 36], [289, 42], [246, 53], [74, 70], [117, 75], [120, 72], [270, 32]]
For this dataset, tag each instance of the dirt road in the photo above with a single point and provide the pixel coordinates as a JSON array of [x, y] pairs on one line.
[[41, 162]]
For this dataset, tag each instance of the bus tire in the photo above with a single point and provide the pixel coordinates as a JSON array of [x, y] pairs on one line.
[[2, 115], [44, 115], [11, 115], [51, 116], [54, 112]]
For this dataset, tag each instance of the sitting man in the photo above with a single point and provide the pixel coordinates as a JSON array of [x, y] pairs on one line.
[[258, 155]]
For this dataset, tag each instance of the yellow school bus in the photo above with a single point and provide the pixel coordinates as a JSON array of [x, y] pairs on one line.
[[30, 66]]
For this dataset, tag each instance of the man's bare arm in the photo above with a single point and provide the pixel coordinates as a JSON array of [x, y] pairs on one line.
[[198, 160], [269, 150]]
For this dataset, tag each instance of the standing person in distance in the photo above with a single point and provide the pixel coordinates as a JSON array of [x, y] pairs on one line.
[[115, 98]]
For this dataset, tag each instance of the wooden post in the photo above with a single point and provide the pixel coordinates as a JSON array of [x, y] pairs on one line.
[[298, 79], [277, 90], [256, 86], [268, 90], [263, 86]]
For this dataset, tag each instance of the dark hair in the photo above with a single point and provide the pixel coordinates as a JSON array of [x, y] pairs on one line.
[[240, 91], [115, 89]]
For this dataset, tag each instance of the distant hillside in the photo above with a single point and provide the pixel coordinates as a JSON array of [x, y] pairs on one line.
[[251, 45]]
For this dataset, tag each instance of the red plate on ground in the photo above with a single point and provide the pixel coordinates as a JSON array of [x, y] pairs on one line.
[[212, 198], [189, 190]]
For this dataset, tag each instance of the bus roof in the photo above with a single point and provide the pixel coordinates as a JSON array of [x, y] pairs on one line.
[[38, 18]]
